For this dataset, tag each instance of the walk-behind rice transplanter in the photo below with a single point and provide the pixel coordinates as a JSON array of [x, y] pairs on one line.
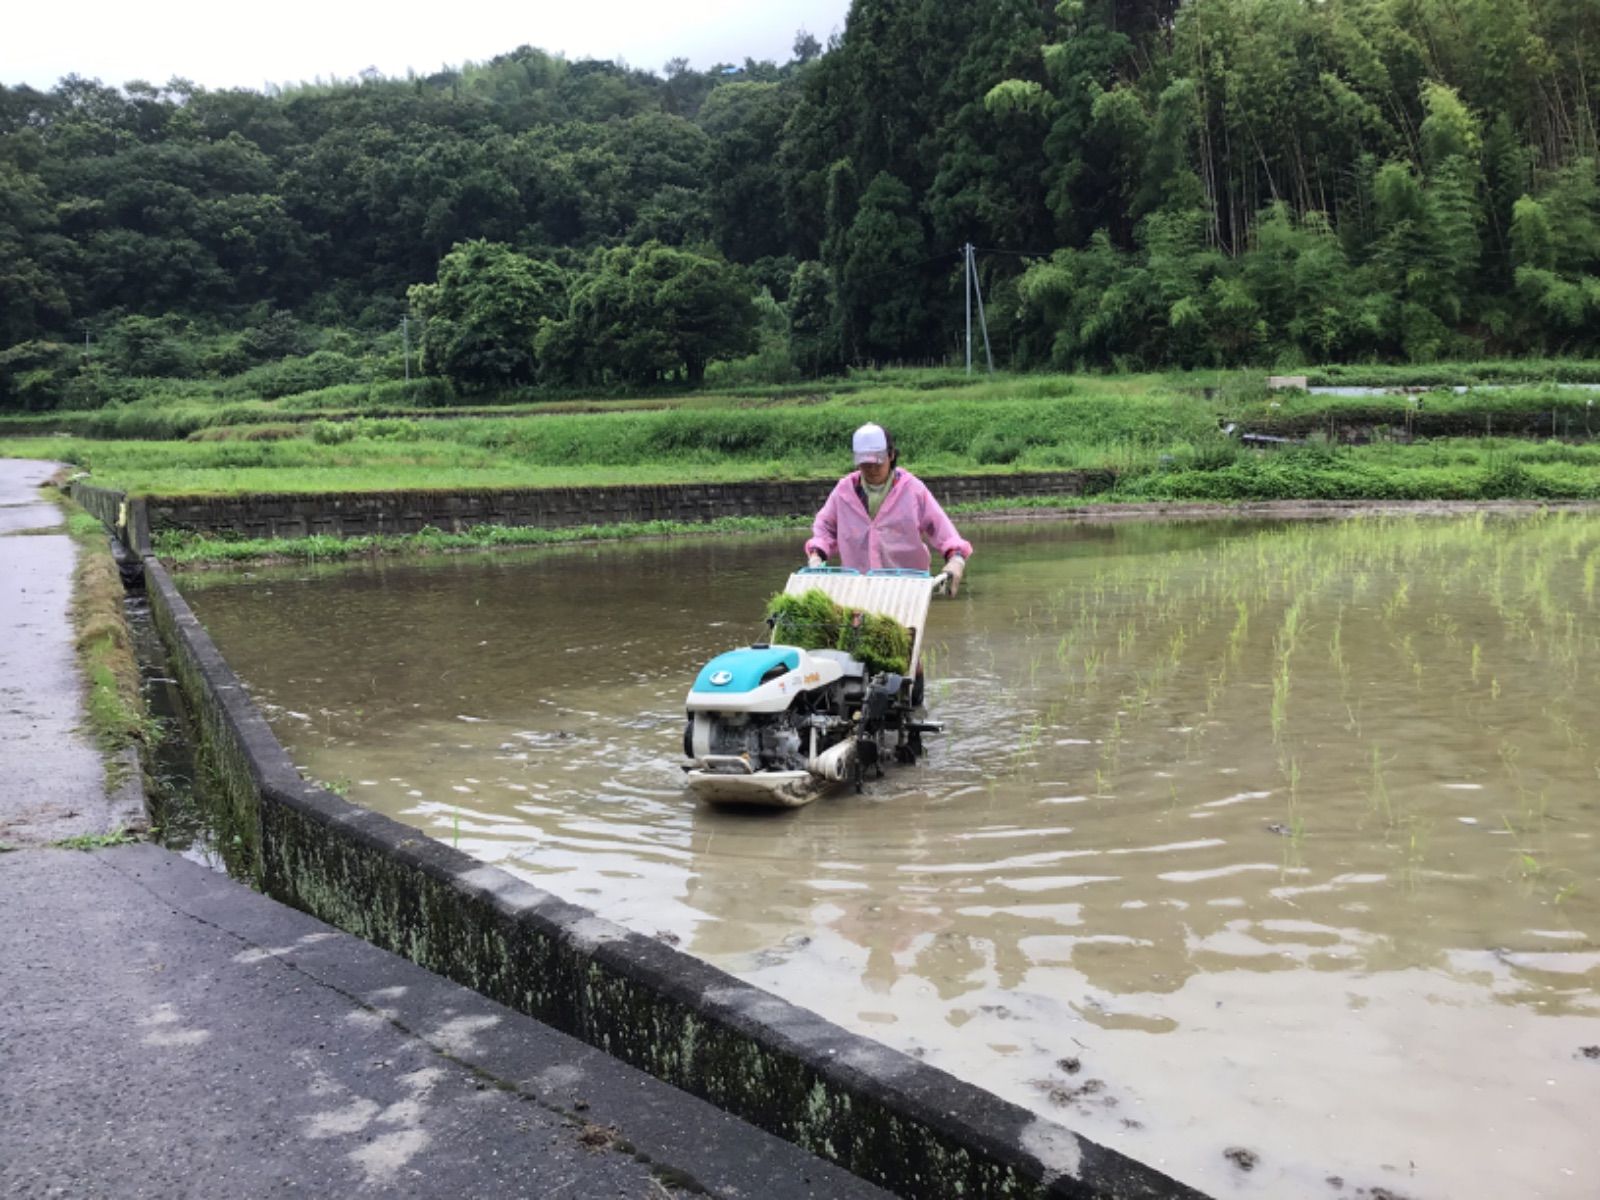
[[774, 724]]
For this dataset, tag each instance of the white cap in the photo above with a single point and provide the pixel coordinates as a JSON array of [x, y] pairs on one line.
[[870, 444]]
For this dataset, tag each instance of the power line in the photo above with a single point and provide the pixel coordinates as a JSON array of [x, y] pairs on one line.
[[902, 268], [1015, 253]]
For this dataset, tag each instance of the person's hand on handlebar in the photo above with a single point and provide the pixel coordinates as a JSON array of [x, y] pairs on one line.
[[955, 566]]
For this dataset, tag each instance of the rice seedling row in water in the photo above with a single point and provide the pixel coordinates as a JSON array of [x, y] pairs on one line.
[[1311, 570]]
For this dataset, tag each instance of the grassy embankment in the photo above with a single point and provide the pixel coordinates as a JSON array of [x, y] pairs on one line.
[[1050, 422], [114, 706], [167, 409], [1431, 375], [1159, 436]]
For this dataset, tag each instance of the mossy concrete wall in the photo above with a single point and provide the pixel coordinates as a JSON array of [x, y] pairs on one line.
[[352, 514], [890, 1119], [126, 517]]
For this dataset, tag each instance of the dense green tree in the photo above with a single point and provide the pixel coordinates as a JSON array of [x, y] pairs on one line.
[[480, 319], [745, 122], [640, 314], [35, 299], [813, 321], [883, 312]]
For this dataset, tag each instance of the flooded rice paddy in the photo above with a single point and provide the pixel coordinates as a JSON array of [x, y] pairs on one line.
[[1279, 838]]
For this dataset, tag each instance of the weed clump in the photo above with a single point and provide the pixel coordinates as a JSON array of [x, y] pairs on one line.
[[812, 621]]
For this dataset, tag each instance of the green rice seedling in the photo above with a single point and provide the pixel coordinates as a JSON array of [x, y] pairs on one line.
[[1378, 791], [879, 641], [812, 621], [1241, 630], [1127, 637], [1414, 847]]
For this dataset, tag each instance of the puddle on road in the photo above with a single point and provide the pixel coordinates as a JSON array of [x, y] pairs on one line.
[[1282, 836]]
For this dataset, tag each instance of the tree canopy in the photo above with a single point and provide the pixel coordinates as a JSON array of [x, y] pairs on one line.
[[1221, 181]]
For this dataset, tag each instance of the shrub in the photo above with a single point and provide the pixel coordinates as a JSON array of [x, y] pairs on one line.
[[998, 446], [429, 392], [333, 433], [34, 375], [324, 369]]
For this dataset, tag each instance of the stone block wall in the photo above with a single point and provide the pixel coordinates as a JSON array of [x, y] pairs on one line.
[[354, 514]]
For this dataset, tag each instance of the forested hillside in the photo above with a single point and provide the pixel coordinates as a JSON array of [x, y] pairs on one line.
[[1147, 182]]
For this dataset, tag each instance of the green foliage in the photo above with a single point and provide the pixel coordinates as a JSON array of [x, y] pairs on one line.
[[880, 297], [35, 375], [290, 376], [1151, 183], [1511, 411], [96, 841], [1014, 96], [186, 548], [1439, 471], [644, 313], [814, 322], [149, 346], [937, 417], [481, 317], [812, 621], [1532, 240]]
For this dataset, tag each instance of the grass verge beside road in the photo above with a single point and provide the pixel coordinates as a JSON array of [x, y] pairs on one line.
[[114, 705]]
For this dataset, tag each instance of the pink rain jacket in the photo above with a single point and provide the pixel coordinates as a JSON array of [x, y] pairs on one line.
[[908, 518]]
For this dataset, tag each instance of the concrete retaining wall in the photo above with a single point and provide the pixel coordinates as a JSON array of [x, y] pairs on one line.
[[890, 1119], [345, 515], [128, 520]]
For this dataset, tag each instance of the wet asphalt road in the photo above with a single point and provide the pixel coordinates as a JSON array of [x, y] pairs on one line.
[[165, 1031], [52, 779], [168, 1032]]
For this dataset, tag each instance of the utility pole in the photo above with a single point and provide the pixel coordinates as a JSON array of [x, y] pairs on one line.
[[976, 289], [966, 293], [983, 321]]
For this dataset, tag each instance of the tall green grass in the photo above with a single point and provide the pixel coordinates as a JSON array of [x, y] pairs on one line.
[[1541, 410], [951, 435], [1446, 374], [1480, 469]]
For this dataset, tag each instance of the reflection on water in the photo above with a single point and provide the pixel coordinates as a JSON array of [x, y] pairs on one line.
[[1279, 836]]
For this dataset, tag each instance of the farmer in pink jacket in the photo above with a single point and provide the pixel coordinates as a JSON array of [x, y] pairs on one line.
[[881, 516]]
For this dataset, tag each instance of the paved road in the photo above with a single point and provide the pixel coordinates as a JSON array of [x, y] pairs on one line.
[[52, 780], [167, 1032]]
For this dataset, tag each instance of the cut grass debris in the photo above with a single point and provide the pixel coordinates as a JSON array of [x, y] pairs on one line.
[[96, 841]]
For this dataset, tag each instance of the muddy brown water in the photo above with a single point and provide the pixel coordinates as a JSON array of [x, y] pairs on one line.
[[1280, 837]]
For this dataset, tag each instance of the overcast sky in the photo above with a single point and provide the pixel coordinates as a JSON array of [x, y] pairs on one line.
[[219, 44]]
